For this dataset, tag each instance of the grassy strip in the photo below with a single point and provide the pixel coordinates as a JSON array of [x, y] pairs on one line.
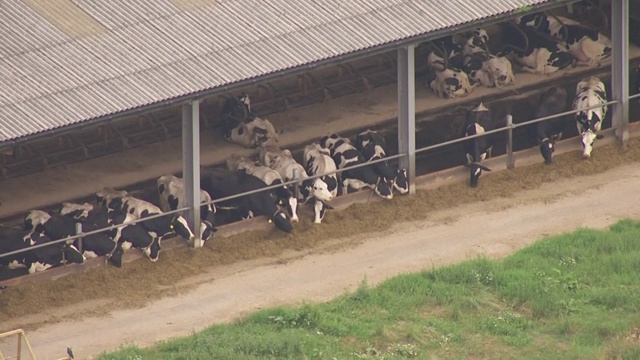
[[571, 296]]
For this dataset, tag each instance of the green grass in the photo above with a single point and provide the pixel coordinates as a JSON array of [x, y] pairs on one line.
[[572, 296]]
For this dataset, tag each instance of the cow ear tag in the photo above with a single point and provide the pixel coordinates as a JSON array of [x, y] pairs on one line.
[[270, 221], [280, 202], [171, 226]]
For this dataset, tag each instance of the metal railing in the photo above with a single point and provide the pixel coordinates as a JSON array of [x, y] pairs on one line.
[[510, 126]]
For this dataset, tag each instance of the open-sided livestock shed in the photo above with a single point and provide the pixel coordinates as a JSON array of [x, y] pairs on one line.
[[75, 63]]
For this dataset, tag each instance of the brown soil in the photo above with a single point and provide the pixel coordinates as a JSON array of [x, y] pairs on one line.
[[98, 292]]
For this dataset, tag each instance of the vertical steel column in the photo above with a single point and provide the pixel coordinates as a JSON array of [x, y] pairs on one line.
[[191, 165], [620, 71], [511, 161], [407, 113]]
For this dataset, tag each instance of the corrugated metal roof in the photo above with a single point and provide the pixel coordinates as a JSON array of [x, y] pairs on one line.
[[125, 54]]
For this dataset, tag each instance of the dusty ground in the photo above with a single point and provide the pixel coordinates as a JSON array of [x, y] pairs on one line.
[[493, 227]]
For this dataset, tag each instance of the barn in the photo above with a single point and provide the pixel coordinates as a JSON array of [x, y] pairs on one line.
[[117, 95]]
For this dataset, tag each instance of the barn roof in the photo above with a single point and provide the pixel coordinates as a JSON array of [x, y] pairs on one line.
[[72, 62]]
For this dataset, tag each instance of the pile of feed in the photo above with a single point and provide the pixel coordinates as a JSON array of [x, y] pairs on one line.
[[139, 282]]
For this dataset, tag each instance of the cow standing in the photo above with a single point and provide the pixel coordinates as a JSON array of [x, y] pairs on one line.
[[316, 161], [345, 154], [590, 92], [553, 101], [373, 146], [221, 183], [477, 149], [172, 197], [283, 195], [38, 259]]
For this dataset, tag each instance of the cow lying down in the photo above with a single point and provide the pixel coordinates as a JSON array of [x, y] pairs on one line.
[[241, 126]]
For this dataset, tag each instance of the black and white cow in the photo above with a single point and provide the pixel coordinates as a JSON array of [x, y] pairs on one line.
[[479, 148], [106, 194], [587, 45], [345, 154], [220, 183], [172, 197], [127, 236], [444, 75], [538, 53], [59, 227], [553, 101], [159, 227], [590, 92], [316, 161], [38, 259], [373, 146], [284, 197], [241, 126], [283, 162], [483, 67]]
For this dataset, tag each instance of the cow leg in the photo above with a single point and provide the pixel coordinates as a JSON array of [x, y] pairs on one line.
[[318, 211], [345, 187]]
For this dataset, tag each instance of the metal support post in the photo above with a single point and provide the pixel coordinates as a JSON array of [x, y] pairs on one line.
[[511, 161], [407, 113], [620, 71], [191, 165], [78, 231]]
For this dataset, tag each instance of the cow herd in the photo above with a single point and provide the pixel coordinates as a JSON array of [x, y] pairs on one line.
[[539, 43]]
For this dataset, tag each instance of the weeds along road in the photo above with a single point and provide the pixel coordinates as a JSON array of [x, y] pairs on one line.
[[493, 228]]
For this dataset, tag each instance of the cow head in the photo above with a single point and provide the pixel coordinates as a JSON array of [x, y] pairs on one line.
[[72, 254], [318, 189], [383, 190], [235, 111], [547, 147], [285, 199], [206, 230], [281, 221], [475, 170], [153, 250], [401, 182], [587, 137], [180, 227]]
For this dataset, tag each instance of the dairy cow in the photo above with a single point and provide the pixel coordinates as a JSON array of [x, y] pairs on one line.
[[444, 74], [172, 197], [38, 259], [58, 227], [587, 45], [220, 183], [373, 146], [553, 101], [317, 161], [345, 154], [537, 52], [483, 67], [283, 162], [477, 149], [127, 236], [241, 126], [284, 197], [589, 92]]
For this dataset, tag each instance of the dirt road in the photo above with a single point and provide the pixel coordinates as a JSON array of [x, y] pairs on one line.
[[494, 228]]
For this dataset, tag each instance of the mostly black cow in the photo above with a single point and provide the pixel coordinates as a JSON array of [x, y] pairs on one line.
[[537, 52], [590, 92], [38, 259], [373, 146], [283, 196], [316, 161], [479, 148], [345, 154], [221, 183], [172, 197], [553, 101], [483, 67]]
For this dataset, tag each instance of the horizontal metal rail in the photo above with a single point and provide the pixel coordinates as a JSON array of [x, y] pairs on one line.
[[634, 96], [513, 126]]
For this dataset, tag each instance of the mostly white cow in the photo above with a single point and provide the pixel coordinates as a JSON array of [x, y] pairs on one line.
[[284, 197], [553, 101], [221, 183], [172, 197], [483, 67], [344, 154], [590, 92], [373, 146], [316, 161], [283, 162], [587, 45], [242, 127], [38, 259], [537, 52], [477, 149]]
